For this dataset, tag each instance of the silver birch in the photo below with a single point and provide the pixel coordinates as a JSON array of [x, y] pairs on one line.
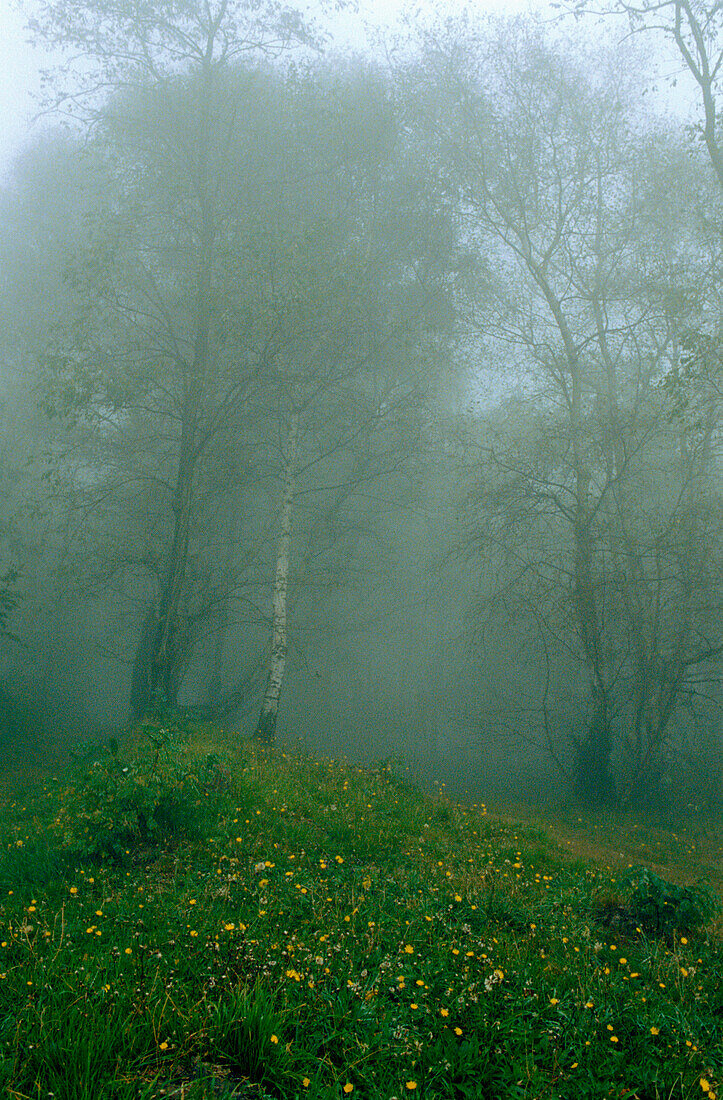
[[266, 729]]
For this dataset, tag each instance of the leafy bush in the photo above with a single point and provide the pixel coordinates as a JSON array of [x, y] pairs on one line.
[[161, 789], [658, 906]]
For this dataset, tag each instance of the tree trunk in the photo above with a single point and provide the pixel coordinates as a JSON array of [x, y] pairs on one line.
[[164, 667], [266, 728], [593, 778], [141, 678], [593, 751], [593, 781], [165, 670]]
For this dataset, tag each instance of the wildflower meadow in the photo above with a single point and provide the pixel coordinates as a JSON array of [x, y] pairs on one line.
[[188, 916]]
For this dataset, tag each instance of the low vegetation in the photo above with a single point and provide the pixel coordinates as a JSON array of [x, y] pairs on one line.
[[184, 916]]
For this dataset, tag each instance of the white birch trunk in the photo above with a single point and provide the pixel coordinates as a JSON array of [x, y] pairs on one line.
[[266, 729]]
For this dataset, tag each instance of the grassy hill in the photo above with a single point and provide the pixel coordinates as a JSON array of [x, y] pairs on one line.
[[189, 917]]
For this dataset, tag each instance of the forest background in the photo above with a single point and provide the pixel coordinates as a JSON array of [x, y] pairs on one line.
[[372, 404]]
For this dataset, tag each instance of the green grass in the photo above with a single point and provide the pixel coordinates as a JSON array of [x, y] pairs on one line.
[[282, 927]]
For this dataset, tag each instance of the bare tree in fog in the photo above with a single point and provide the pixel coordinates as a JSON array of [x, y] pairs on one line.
[[311, 321], [551, 175], [152, 49], [695, 27]]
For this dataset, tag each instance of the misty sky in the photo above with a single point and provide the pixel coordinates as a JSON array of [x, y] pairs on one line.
[[20, 63]]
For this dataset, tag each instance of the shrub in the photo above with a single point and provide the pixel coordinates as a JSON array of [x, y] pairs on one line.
[[161, 788], [658, 906]]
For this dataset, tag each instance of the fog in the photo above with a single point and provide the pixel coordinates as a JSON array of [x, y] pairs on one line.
[[361, 393]]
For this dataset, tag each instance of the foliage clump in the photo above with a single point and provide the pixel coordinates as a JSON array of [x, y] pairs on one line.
[[157, 789], [658, 906]]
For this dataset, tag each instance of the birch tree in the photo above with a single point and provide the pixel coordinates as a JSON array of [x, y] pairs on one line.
[[266, 730], [366, 318]]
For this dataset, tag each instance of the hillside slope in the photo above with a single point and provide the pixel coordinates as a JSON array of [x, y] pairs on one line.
[[187, 916]]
